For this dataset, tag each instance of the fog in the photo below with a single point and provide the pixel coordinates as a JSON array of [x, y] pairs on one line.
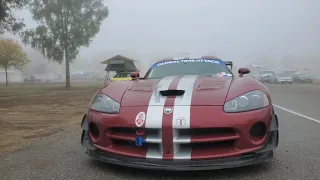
[[270, 32]]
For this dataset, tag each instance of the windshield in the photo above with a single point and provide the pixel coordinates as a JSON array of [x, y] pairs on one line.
[[122, 75], [282, 75], [188, 67], [290, 73]]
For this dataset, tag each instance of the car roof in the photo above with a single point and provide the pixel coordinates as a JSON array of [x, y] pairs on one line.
[[281, 72], [125, 72]]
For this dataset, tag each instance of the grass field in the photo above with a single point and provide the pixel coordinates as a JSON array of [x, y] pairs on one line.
[[35, 110]]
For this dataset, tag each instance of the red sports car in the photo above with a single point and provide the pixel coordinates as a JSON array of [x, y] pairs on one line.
[[184, 114]]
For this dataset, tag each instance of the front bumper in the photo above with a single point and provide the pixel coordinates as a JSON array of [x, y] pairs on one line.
[[305, 80], [255, 157], [284, 81]]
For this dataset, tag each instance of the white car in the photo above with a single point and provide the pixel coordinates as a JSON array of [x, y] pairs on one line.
[[266, 76]]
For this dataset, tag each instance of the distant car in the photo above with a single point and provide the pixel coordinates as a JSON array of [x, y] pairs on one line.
[[31, 79], [266, 76], [289, 72], [184, 114], [302, 77], [282, 78], [122, 76], [79, 76]]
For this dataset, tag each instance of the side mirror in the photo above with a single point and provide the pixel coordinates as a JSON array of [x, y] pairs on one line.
[[135, 75], [243, 71]]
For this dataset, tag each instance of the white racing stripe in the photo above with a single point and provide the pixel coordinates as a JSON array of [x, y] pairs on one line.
[[156, 103], [181, 114], [298, 114], [155, 113]]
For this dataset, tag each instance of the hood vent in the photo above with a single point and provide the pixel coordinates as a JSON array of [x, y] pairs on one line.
[[172, 92]]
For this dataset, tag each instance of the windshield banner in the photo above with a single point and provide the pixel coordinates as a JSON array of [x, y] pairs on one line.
[[188, 61]]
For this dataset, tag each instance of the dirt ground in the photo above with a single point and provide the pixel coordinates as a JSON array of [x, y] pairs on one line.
[[32, 111]]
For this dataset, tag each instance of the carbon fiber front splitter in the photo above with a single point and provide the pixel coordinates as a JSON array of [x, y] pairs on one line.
[[181, 165]]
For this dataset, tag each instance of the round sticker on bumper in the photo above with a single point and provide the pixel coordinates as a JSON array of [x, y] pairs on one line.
[[140, 119], [180, 122]]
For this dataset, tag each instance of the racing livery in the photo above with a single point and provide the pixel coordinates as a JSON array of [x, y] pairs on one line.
[[184, 114]]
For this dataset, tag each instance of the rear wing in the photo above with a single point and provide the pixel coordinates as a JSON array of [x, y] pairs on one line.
[[229, 64]]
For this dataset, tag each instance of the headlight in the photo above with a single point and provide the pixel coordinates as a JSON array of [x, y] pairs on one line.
[[247, 102], [103, 103]]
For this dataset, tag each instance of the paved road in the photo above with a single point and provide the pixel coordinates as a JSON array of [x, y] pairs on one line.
[[304, 98], [298, 156]]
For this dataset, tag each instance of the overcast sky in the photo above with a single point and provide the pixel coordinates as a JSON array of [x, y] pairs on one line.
[[237, 30]]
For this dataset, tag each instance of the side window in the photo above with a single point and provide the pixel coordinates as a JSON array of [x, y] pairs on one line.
[[124, 75]]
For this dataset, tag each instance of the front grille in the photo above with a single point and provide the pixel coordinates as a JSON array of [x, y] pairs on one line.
[[202, 141], [128, 135], [215, 145], [203, 135], [206, 142]]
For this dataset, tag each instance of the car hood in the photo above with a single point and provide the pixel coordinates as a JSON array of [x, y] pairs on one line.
[[266, 75], [305, 77], [178, 90]]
